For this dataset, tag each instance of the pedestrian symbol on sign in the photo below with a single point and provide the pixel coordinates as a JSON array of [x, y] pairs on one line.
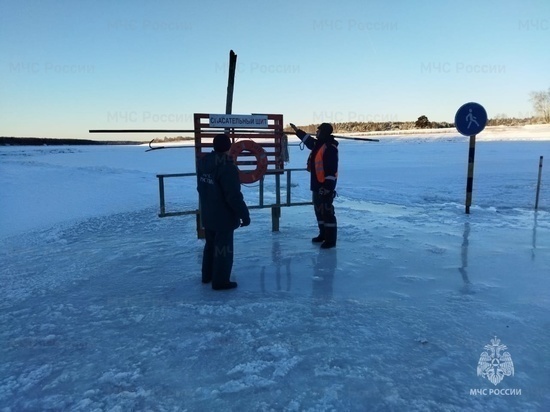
[[470, 118]]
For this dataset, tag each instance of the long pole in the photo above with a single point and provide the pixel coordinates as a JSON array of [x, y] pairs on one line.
[[470, 178], [231, 82], [538, 183], [230, 86], [356, 138], [170, 131], [193, 131]]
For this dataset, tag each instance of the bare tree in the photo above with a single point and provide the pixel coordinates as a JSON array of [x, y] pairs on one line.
[[541, 104]]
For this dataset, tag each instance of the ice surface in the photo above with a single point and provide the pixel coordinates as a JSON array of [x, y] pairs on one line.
[[102, 306]]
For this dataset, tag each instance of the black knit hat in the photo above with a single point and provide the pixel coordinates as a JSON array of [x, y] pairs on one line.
[[325, 129], [222, 143]]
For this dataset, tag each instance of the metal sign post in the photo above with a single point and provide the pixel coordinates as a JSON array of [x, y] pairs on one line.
[[470, 174], [470, 119], [538, 183]]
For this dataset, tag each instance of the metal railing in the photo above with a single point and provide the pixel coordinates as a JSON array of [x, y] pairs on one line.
[[275, 207]]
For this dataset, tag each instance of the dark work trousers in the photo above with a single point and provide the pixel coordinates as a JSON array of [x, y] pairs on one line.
[[324, 212], [217, 259]]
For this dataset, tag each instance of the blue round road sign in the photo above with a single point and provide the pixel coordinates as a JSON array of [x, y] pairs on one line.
[[470, 119]]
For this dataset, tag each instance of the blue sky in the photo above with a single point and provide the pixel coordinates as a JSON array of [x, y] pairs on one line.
[[70, 66]]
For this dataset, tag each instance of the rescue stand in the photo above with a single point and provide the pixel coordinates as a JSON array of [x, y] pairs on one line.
[[267, 145]]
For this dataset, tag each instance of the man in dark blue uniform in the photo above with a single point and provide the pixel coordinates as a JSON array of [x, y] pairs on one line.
[[222, 211], [323, 167]]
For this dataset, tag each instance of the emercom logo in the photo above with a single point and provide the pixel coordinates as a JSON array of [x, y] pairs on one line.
[[494, 365]]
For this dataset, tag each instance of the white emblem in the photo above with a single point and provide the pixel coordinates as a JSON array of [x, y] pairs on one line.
[[493, 365]]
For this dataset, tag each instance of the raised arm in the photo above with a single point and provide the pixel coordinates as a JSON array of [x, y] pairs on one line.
[[307, 139]]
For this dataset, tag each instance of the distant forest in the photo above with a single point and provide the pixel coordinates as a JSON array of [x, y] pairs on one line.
[[422, 123], [41, 141]]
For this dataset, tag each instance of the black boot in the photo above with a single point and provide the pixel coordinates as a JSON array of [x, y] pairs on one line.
[[330, 238], [229, 285], [321, 237]]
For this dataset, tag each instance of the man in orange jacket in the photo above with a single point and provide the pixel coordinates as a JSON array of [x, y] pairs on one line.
[[323, 167]]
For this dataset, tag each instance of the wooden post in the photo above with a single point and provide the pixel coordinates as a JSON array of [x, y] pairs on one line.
[[198, 150], [538, 184], [470, 178], [231, 82], [161, 195], [261, 189], [288, 186], [275, 215], [276, 210]]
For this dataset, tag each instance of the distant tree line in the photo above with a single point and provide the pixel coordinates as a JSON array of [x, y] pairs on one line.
[[540, 101], [41, 141], [378, 126], [421, 123]]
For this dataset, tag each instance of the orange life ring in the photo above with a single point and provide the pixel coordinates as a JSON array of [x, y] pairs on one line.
[[250, 176]]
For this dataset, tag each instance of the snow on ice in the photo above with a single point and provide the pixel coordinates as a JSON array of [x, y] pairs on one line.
[[102, 307]]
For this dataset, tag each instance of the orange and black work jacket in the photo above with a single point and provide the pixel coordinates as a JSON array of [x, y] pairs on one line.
[[322, 162]]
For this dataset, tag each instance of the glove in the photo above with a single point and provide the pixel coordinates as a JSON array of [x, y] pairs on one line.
[[324, 192], [329, 184], [245, 221]]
